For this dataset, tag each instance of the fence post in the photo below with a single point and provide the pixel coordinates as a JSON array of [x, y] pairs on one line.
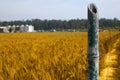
[[93, 42]]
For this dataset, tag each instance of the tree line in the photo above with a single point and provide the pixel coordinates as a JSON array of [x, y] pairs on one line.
[[63, 24]]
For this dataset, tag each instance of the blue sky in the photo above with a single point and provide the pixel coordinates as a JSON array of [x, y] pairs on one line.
[[56, 9]]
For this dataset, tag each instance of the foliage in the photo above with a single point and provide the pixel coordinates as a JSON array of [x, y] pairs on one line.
[[63, 24]]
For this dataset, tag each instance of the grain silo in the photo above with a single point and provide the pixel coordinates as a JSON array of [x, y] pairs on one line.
[[22, 28], [30, 28]]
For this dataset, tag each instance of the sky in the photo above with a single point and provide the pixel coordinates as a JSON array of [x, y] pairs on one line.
[[56, 9]]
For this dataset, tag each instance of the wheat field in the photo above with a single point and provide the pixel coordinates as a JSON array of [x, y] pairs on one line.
[[56, 56]]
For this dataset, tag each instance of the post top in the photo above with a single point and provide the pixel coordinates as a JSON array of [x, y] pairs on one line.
[[92, 7]]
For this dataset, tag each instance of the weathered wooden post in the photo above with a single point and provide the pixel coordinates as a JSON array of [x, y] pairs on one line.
[[93, 43]]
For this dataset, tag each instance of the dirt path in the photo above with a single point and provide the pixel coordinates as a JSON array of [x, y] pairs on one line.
[[111, 70]]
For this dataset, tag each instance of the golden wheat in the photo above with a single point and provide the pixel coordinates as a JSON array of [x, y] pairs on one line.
[[48, 56]]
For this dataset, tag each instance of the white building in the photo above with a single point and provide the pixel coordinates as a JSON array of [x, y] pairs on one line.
[[22, 28], [26, 28], [30, 28], [4, 29], [17, 28]]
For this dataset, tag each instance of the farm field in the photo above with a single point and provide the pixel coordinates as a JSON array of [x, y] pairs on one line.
[[56, 56]]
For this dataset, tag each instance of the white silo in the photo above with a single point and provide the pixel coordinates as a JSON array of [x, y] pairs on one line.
[[30, 28], [13, 26], [26, 28], [9, 26], [22, 28]]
